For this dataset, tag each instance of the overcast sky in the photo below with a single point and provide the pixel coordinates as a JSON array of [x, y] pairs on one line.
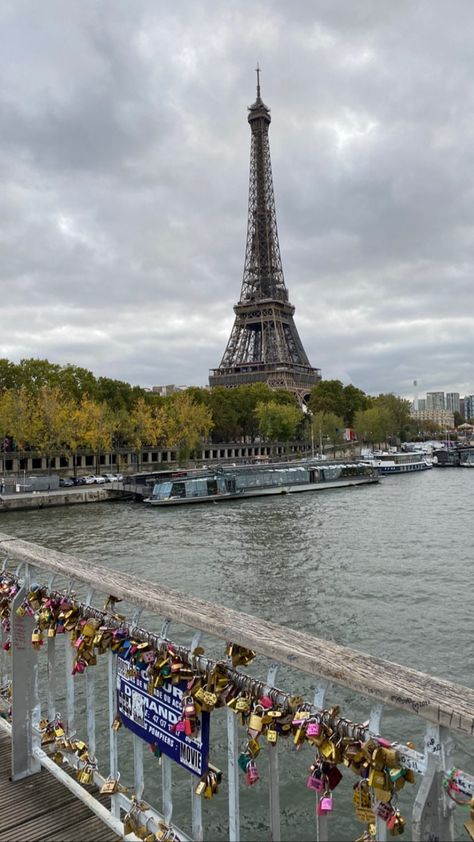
[[124, 156]]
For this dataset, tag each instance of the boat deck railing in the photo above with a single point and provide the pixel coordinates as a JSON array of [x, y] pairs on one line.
[[44, 687]]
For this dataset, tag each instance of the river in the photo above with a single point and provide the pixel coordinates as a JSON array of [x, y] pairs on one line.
[[385, 569]]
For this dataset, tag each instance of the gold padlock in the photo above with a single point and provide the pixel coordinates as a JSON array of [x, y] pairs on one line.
[[376, 778], [256, 719], [117, 723], [242, 704], [110, 786], [382, 794], [272, 735]]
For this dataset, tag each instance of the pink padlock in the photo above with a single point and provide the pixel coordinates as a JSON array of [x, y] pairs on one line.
[[324, 805], [266, 702], [315, 782], [312, 728], [383, 742], [179, 728], [251, 775]]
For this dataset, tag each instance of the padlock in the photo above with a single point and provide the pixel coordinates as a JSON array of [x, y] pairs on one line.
[[376, 778], [243, 761], [110, 786], [361, 796], [190, 727], [382, 794], [201, 787], [251, 774], [189, 708], [253, 747], [395, 773], [272, 734], [325, 804], [395, 824], [312, 729], [255, 720], [385, 811], [242, 704], [377, 760], [315, 781], [117, 723], [333, 777]]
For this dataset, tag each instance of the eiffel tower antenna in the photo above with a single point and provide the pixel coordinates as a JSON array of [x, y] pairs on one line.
[[264, 345]]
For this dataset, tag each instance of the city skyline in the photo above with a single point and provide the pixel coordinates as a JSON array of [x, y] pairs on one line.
[[124, 155]]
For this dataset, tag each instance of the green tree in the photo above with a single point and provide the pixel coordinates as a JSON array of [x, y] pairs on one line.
[[354, 400], [8, 375], [277, 422], [399, 411], [327, 396], [327, 425], [374, 425], [33, 374]]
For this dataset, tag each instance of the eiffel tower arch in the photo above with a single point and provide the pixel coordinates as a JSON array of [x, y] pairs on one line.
[[264, 345]]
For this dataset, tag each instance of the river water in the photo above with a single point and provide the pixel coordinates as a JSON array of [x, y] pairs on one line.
[[385, 569]]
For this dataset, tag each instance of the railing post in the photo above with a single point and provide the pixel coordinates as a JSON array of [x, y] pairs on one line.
[[24, 681], [274, 775], [433, 810], [374, 730], [233, 777], [321, 820]]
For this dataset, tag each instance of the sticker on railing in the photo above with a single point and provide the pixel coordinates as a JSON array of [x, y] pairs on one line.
[[153, 718]]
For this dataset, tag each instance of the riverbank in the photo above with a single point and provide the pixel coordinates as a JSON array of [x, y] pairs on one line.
[[63, 497]]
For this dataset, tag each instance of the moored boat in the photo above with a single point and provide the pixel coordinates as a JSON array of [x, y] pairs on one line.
[[236, 483], [397, 463]]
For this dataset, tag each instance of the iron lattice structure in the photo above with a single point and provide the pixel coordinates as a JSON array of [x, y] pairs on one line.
[[264, 344]]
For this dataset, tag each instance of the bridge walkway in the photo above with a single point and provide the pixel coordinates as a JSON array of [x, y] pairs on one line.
[[40, 809]]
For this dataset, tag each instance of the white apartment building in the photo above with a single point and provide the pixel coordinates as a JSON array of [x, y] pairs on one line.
[[442, 417], [435, 400], [452, 401]]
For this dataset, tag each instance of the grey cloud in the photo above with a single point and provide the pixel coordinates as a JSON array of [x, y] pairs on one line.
[[124, 152]]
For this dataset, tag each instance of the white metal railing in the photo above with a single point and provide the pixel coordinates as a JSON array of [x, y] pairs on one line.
[[445, 707]]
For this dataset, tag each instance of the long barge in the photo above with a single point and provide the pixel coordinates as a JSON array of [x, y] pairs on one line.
[[236, 483]]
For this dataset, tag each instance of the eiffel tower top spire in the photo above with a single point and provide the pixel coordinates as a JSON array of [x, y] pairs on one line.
[[264, 344]]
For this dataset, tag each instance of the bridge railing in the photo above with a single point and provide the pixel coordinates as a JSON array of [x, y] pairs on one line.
[[43, 684]]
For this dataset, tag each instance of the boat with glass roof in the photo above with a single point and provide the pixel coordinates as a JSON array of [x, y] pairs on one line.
[[238, 482]]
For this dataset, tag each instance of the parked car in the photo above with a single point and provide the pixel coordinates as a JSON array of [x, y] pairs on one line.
[[99, 480], [89, 479], [112, 477], [66, 482]]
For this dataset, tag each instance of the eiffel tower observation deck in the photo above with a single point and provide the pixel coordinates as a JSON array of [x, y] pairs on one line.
[[264, 344]]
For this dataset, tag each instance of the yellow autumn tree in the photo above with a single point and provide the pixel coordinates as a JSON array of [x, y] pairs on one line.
[[94, 427], [185, 423], [143, 425], [51, 410], [15, 416]]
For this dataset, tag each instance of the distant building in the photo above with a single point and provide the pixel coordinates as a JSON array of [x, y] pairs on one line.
[[435, 400], [469, 406], [462, 408], [452, 401], [166, 391], [442, 417], [421, 404]]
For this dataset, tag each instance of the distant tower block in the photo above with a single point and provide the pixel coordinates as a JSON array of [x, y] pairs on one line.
[[264, 345]]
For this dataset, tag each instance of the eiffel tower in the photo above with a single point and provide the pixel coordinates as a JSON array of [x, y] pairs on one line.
[[264, 344]]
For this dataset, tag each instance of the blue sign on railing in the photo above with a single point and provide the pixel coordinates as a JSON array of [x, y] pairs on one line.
[[152, 718]]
